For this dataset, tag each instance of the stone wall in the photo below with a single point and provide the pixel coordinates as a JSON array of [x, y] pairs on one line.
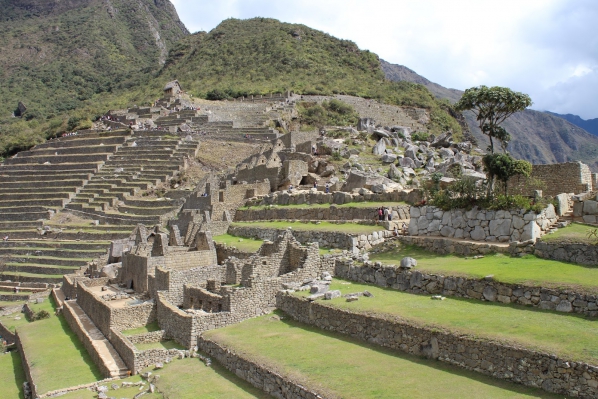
[[224, 252], [489, 290], [331, 213], [582, 254], [87, 341], [570, 177], [444, 246], [6, 334], [301, 197], [480, 224], [26, 367], [257, 374], [496, 359], [137, 360], [325, 239]]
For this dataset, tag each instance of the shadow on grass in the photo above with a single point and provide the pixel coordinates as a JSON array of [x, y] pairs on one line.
[[18, 371], [432, 364]]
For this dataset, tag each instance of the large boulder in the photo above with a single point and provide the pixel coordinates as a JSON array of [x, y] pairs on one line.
[[381, 134], [379, 148], [407, 163], [359, 179], [408, 263], [444, 140], [111, 270], [388, 158]]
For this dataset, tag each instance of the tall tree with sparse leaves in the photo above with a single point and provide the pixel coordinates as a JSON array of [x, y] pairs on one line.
[[492, 106]]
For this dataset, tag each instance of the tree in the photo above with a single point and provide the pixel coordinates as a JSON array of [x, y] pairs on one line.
[[502, 167], [492, 106]]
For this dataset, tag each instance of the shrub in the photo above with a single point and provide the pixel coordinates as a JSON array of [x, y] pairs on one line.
[[336, 156], [42, 314], [420, 136]]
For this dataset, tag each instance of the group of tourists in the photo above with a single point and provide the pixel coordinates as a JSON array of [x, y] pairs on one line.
[[384, 214], [69, 134]]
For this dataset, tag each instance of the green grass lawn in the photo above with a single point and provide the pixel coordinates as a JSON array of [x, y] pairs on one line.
[[12, 375], [536, 329], [574, 233], [50, 343], [142, 330], [12, 324], [365, 204], [528, 270], [185, 379], [338, 366], [241, 243], [353, 228], [169, 344]]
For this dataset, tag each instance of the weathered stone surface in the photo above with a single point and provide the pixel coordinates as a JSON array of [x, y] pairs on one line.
[[408, 263]]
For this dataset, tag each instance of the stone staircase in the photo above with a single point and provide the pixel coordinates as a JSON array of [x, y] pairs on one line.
[[147, 158]]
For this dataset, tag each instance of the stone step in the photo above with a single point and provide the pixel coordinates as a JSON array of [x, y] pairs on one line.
[[84, 150], [59, 159], [92, 141], [32, 194], [57, 244], [43, 184], [44, 177], [21, 216], [16, 225], [51, 202], [31, 277], [48, 260], [51, 168], [34, 268], [52, 252]]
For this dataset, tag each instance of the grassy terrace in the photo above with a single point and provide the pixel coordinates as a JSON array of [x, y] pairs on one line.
[[574, 233], [529, 270], [509, 323], [353, 228], [142, 330], [12, 375], [186, 379], [338, 366], [241, 243], [50, 342], [365, 204], [12, 324]]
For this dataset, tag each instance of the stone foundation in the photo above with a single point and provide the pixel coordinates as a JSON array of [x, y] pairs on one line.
[[582, 254]]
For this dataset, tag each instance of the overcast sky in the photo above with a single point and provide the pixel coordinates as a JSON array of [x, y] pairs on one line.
[[545, 48]]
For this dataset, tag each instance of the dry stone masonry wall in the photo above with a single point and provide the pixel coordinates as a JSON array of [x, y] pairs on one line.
[[570, 177], [499, 360], [486, 289], [480, 224]]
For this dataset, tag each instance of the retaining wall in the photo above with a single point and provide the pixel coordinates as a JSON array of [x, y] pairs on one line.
[[582, 254], [499, 360], [6, 334], [135, 359], [325, 239], [75, 325], [480, 224], [258, 375], [489, 290]]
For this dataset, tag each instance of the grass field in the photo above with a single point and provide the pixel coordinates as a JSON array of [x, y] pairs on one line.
[[365, 204], [12, 375], [574, 233], [511, 323], [241, 243], [186, 379], [12, 324], [142, 330], [353, 228], [338, 366], [529, 270], [50, 343]]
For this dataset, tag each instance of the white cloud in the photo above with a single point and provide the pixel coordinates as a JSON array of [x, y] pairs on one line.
[[546, 48]]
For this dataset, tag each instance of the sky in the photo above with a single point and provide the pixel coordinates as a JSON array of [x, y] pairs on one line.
[[545, 48]]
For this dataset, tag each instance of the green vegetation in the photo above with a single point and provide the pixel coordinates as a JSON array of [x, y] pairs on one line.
[[316, 226], [169, 344], [574, 233], [126, 392], [365, 204], [329, 113], [489, 320], [47, 341], [13, 375], [91, 57], [12, 324], [339, 366], [241, 243], [154, 326], [529, 270]]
